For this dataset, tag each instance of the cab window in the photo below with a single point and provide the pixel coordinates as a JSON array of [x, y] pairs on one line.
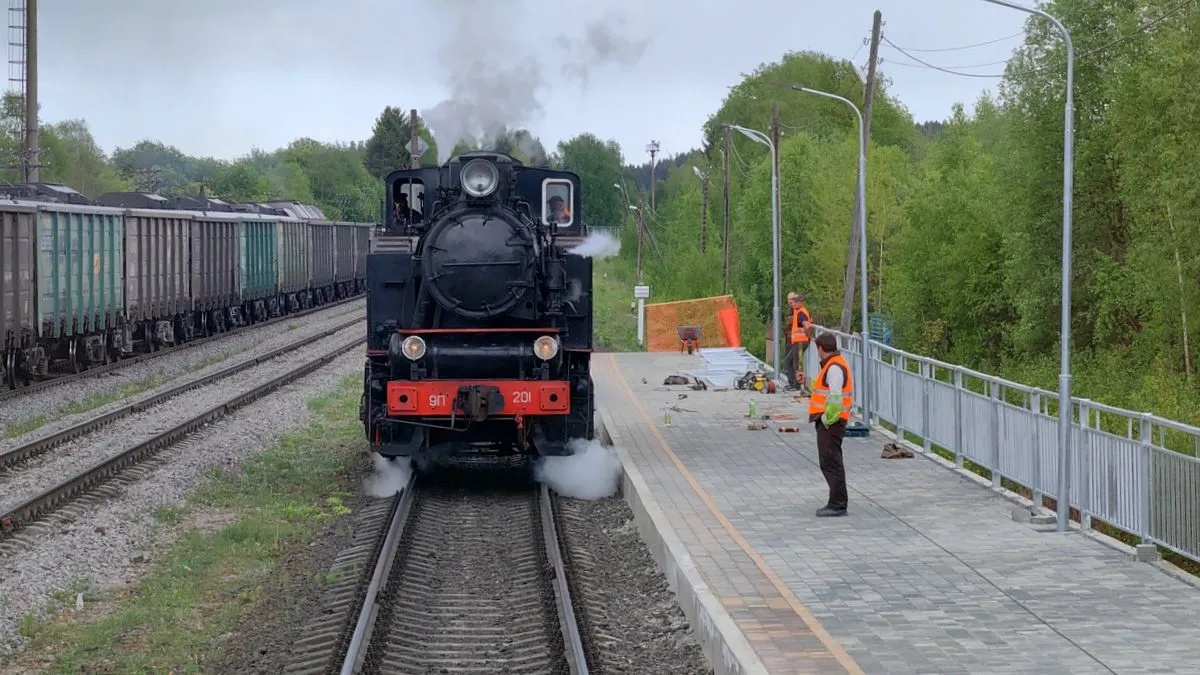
[[408, 197], [556, 202]]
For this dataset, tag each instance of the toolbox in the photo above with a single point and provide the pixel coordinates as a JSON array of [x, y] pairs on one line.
[[857, 429]]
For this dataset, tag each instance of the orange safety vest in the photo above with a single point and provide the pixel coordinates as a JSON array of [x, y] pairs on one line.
[[798, 334], [820, 389]]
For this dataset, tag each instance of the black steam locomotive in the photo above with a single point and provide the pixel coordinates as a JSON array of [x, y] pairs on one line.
[[479, 319]]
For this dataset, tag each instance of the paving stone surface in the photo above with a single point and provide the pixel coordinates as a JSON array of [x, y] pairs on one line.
[[927, 574]]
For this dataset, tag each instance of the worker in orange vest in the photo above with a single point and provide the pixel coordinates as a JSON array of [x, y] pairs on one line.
[[829, 410], [797, 339]]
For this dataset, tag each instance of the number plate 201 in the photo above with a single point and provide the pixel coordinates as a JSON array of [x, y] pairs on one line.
[[437, 397]]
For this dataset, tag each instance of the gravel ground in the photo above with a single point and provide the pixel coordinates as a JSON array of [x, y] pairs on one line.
[[246, 341], [104, 547], [26, 480], [629, 610]]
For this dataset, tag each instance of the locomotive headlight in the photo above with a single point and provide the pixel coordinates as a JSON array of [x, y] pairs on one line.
[[479, 178], [413, 347], [545, 347]]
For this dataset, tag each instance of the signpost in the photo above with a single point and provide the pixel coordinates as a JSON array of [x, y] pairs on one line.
[[641, 293]]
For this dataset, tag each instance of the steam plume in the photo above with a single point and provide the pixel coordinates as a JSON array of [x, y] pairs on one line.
[[597, 245], [494, 70], [593, 472]]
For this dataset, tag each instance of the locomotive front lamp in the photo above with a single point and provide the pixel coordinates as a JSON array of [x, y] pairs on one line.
[[545, 347], [413, 347], [479, 178]]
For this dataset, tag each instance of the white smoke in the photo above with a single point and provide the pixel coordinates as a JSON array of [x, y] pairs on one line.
[[593, 472], [494, 71], [598, 245], [390, 477]]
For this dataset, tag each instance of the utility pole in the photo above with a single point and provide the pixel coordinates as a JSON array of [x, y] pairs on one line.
[[703, 208], [852, 257], [775, 133], [415, 150], [652, 148], [31, 93], [725, 210], [641, 225]]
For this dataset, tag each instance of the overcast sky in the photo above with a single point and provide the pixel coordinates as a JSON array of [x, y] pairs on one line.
[[219, 77]]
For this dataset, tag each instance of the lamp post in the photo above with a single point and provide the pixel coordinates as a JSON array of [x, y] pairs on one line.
[[640, 223], [760, 137], [864, 333], [703, 207], [1065, 410]]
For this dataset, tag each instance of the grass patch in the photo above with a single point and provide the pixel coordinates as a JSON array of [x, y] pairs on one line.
[[199, 590], [614, 326], [95, 401]]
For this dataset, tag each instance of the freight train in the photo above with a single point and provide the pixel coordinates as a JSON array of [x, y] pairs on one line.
[[479, 318], [86, 282]]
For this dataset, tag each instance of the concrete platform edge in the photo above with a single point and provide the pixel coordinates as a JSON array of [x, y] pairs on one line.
[[723, 643], [1117, 545]]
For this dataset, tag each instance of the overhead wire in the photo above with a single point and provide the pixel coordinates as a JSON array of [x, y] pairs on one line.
[[742, 165], [965, 47], [1142, 30]]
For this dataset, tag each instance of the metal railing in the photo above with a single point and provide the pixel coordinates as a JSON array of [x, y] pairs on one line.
[[1134, 471]]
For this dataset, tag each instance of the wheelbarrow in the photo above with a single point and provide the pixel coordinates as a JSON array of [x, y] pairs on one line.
[[689, 338]]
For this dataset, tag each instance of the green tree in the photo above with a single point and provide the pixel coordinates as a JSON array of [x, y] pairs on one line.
[[72, 158], [598, 164], [390, 145]]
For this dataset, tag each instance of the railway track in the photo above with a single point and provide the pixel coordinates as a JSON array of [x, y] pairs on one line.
[[39, 446], [56, 379], [69, 494], [460, 577]]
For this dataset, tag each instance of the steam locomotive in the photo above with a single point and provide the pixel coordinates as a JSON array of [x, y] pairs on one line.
[[479, 317]]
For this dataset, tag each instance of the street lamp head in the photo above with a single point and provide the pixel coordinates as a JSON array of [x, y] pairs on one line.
[[616, 186], [699, 173], [748, 133], [784, 85]]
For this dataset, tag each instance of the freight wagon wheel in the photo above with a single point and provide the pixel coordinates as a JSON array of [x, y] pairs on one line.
[[10, 369], [73, 350]]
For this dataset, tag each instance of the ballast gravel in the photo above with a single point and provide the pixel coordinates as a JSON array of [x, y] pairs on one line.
[[103, 549], [246, 341], [27, 480], [632, 606]]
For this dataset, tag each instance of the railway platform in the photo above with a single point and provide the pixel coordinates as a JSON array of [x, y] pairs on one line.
[[929, 572]]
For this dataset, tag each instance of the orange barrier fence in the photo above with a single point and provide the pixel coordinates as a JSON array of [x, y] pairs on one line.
[[717, 317]]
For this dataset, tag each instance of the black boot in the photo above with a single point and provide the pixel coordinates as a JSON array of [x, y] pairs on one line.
[[830, 512]]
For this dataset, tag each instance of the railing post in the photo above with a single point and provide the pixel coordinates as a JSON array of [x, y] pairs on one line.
[[873, 387], [898, 395], [1083, 440], [958, 417], [926, 375], [1144, 462], [1035, 407], [997, 429]]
